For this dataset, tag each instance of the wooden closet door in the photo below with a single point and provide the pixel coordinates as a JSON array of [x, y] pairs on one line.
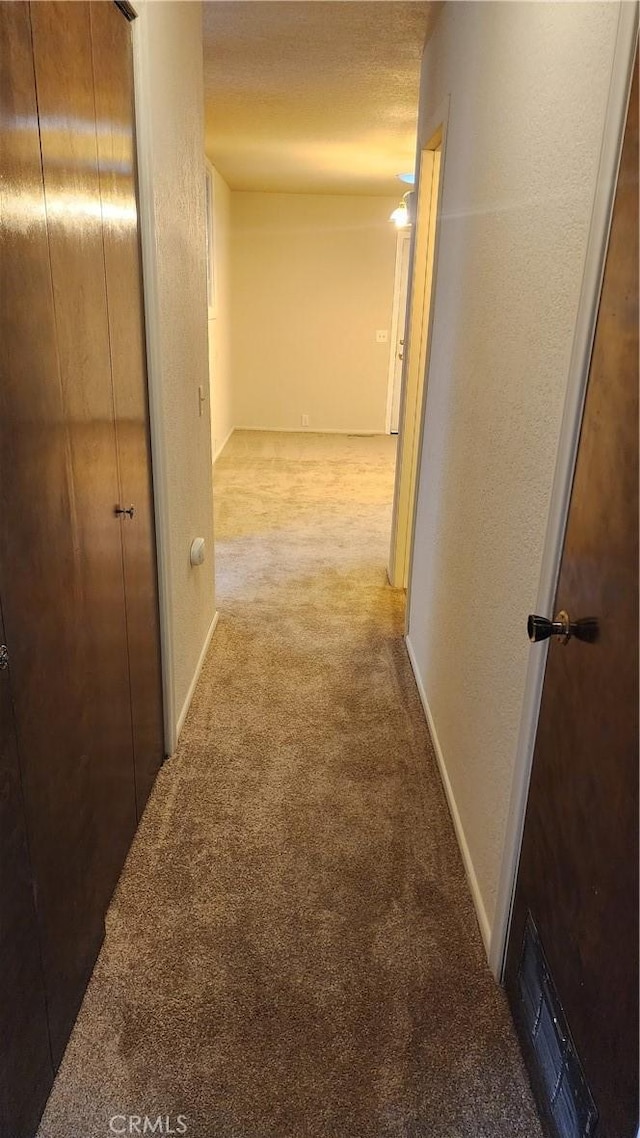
[[113, 77], [62, 574], [26, 1072], [36, 563]]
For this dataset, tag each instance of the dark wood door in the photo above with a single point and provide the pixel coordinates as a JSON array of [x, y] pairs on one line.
[[25, 1061], [113, 75], [572, 963], [61, 571]]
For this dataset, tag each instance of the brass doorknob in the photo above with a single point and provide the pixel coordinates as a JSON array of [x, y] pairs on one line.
[[562, 627], [120, 511]]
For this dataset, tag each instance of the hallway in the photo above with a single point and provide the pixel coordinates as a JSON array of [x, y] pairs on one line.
[[292, 950]]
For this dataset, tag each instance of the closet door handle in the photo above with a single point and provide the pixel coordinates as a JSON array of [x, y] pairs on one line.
[[120, 511], [4, 657]]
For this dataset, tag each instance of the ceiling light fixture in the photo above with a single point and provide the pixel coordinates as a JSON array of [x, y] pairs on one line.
[[408, 179], [400, 216]]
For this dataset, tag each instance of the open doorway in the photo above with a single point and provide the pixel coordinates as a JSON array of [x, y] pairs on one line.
[[217, 247], [418, 325], [398, 324]]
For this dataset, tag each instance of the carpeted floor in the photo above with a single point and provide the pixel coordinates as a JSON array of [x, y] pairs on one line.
[[292, 950]]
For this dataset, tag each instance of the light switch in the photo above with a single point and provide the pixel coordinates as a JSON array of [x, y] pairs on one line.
[[382, 336]]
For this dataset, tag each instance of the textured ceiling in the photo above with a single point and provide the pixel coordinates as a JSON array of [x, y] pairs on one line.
[[314, 96]]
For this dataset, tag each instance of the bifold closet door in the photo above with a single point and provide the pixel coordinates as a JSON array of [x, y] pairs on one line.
[[62, 582], [114, 94], [25, 1061]]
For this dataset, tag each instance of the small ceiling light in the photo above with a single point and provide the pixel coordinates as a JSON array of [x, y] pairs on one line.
[[408, 179], [400, 216]]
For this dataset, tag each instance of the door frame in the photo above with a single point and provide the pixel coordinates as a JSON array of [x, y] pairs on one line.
[[610, 154], [422, 287], [404, 237], [143, 97]]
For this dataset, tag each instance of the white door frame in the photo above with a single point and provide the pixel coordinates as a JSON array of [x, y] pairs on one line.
[[404, 239], [422, 273], [149, 244], [615, 119]]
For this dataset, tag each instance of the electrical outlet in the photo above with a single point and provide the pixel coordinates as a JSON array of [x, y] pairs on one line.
[[382, 336], [304, 420]]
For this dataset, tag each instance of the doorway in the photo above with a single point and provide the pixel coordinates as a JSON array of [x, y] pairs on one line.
[[412, 397], [398, 329], [572, 957]]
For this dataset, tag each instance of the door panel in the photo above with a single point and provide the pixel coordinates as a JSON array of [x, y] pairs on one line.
[[64, 608], [25, 1071], [113, 74], [64, 554], [578, 874], [36, 547]]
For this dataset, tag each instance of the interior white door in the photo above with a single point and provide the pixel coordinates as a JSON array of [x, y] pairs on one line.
[[401, 284]]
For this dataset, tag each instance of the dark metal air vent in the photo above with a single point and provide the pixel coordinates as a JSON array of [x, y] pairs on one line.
[[567, 1098]]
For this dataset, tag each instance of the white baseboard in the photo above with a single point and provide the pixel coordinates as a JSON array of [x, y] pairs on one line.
[[221, 448], [313, 430], [481, 913], [196, 676]]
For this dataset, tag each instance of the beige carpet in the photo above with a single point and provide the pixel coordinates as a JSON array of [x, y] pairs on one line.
[[292, 951]]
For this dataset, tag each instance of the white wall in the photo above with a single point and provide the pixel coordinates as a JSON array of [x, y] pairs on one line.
[[528, 87], [169, 108], [311, 283], [222, 417]]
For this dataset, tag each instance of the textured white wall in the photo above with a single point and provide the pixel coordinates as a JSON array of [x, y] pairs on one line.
[[528, 85], [312, 281], [222, 420], [169, 97]]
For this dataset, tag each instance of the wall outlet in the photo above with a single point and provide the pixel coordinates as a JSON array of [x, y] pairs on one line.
[[304, 419], [382, 336]]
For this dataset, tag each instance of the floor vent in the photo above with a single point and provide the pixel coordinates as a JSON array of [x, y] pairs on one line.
[[567, 1098]]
